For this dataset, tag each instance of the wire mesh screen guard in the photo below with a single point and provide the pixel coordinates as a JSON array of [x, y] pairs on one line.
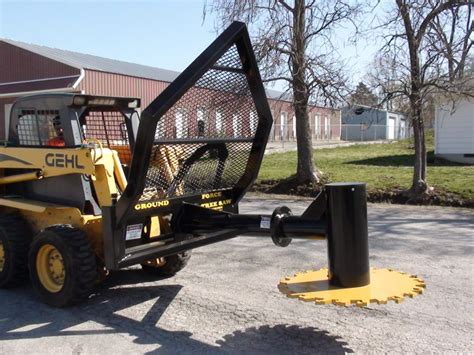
[[110, 129], [38, 127], [203, 141]]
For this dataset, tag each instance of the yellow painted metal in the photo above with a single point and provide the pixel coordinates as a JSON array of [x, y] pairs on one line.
[[34, 175], [40, 215], [90, 224], [25, 204], [101, 164], [2, 256], [50, 268], [118, 171], [155, 229], [385, 285], [104, 176], [52, 161]]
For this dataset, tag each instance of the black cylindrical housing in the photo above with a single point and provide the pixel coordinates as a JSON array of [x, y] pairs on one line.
[[347, 235]]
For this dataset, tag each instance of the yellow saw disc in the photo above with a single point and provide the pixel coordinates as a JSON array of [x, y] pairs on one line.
[[385, 285]]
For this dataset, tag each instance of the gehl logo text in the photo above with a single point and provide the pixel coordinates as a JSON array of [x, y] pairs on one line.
[[60, 160]]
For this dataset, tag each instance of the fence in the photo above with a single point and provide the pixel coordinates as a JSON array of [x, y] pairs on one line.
[[345, 132]]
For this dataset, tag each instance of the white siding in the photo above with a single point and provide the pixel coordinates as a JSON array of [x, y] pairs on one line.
[[454, 132]]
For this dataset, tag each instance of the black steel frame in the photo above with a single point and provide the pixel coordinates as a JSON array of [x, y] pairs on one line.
[[338, 214], [123, 213], [236, 34]]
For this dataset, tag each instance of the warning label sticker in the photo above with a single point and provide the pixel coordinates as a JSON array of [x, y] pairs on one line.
[[134, 231], [265, 223]]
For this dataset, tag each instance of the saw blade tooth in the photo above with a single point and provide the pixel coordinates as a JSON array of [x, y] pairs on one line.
[[341, 303], [322, 301], [359, 303], [396, 299], [306, 298]]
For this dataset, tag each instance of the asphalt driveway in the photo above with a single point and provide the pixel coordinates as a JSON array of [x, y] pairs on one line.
[[227, 300]]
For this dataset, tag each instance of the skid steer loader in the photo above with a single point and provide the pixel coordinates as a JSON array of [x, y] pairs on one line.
[[88, 186]]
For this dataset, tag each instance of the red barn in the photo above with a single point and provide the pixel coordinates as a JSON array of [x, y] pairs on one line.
[[28, 69]]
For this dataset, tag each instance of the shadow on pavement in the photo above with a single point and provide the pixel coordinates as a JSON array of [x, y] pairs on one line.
[[282, 339], [110, 304]]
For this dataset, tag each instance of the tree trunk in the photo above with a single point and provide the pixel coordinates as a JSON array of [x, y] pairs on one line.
[[419, 185], [306, 171]]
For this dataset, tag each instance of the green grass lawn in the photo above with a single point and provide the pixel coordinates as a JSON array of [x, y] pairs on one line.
[[382, 166]]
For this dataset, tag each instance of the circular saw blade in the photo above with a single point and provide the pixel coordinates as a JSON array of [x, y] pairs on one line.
[[385, 285]]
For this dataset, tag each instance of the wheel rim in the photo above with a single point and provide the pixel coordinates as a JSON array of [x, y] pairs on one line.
[[2, 256], [50, 268]]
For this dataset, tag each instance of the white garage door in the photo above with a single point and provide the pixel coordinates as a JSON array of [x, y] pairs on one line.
[[391, 128]]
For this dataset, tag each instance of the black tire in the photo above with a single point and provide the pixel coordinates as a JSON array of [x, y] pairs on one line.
[[173, 264], [15, 239], [78, 260]]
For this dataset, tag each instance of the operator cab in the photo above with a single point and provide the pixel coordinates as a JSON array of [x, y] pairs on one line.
[[64, 120], [72, 120]]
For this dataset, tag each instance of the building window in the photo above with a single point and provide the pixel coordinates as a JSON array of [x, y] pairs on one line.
[[283, 125], [253, 122], [294, 126], [327, 127], [317, 126], [201, 122], [272, 130], [181, 123], [219, 123], [237, 125]]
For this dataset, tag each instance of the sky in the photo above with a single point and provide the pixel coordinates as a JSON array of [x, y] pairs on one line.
[[167, 34]]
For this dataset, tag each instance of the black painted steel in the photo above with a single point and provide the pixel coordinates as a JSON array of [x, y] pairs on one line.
[[188, 167], [343, 222], [224, 77], [281, 225], [204, 134], [348, 249], [277, 223]]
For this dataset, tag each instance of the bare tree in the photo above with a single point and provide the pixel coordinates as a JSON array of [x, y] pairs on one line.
[[294, 44], [426, 49]]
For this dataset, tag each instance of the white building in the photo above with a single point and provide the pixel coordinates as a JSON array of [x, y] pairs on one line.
[[454, 132], [365, 123]]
